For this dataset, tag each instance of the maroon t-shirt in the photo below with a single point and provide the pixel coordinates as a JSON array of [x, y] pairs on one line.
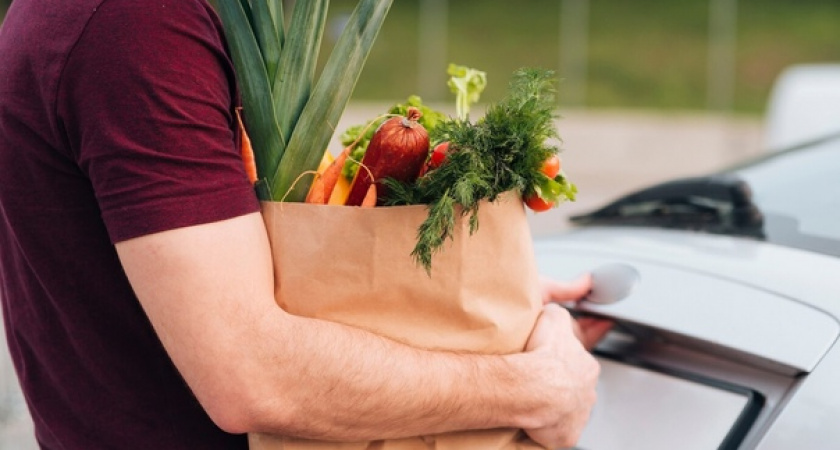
[[116, 120]]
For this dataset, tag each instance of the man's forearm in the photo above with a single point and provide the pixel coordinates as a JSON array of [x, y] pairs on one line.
[[347, 384], [208, 291]]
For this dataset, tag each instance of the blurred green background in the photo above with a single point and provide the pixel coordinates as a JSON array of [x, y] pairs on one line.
[[641, 54], [651, 54]]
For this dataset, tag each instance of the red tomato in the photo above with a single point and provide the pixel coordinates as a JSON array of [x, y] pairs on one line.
[[438, 155], [538, 204], [551, 166]]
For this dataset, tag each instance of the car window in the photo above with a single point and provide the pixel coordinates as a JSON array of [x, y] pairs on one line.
[[668, 407], [799, 194]]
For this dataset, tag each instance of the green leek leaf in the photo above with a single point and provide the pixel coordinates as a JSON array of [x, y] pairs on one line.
[[258, 111], [275, 8], [266, 34], [311, 135], [293, 82], [246, 6]]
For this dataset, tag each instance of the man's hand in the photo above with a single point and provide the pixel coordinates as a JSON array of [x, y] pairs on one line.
[[570, 374], [570, 371], [590, 330], [564, 292]]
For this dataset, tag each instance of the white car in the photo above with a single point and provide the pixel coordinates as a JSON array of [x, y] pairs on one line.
[[726, 295]]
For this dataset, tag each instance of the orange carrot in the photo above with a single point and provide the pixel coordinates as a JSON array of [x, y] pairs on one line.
[[316, 192], [370, 197], [332, 172], [246, 150]]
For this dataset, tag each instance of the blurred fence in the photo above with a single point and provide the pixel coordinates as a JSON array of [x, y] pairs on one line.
[[714, 55], [717, 55], [721, 60]]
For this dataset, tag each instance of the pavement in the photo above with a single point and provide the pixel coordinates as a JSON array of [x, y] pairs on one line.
[[606, 153]]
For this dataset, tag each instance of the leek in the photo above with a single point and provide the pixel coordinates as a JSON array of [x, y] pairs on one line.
[[255, 88], [290, 122], [319, 118]]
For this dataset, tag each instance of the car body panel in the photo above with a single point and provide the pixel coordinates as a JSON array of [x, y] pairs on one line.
[[731, 313], [739, 310], [809, 419], [805, 277], [626, 406]]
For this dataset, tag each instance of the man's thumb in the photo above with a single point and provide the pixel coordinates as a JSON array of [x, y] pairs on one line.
[[545, 330]]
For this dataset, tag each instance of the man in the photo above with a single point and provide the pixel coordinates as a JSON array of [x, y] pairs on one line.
[[136, 275]]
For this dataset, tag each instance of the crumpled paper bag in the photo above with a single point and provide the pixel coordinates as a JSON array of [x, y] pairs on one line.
[[352, 265]]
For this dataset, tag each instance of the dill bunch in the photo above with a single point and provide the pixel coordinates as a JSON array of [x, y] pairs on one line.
[[500, 152]]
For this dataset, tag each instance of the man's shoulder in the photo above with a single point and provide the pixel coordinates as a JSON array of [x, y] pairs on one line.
[[48, 28]]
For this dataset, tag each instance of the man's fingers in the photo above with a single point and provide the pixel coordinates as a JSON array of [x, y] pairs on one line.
[[552, 319], [591, 330], [556, 313], [554, 291]]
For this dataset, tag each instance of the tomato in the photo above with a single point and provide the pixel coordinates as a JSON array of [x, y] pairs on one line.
[[437, 158], [438, 155], [551, 166], [536, 203]]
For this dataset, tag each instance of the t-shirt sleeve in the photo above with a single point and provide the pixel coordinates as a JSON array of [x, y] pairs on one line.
[[146, 101]]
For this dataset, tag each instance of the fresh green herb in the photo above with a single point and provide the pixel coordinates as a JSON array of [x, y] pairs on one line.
[[503, 151], [351, 166], [430, 117], [558, 187]]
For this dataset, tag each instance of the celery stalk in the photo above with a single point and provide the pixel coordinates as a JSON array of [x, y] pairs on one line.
[[467, 84]]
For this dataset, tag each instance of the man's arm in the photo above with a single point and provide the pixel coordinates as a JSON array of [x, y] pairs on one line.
[[208, 291]]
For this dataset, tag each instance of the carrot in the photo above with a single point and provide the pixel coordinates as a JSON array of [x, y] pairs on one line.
[[370, 197], [316, 192], [246, 150], [332, 172], [326, 178]]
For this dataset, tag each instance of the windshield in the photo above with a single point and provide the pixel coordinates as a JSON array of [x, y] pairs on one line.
[[798, 192]]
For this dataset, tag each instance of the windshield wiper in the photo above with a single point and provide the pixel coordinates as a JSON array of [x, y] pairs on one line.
[[716, 204]]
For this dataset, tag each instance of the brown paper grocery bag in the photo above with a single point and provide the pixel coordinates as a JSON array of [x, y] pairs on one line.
[[482, 295]]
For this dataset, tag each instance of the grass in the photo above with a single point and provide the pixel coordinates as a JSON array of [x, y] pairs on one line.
[[642, 54], [648, 54]]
